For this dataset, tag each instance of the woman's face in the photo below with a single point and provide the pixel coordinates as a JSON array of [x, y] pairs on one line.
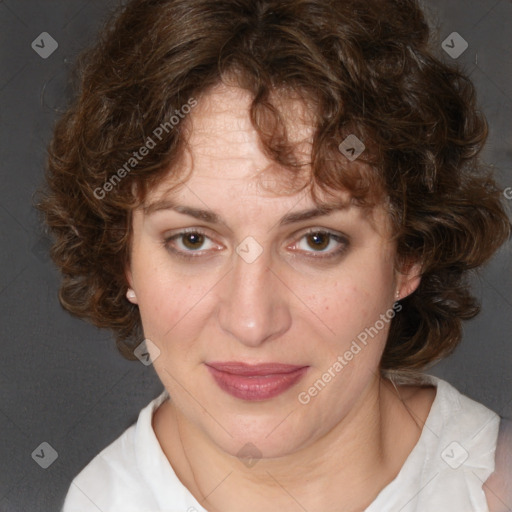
[[255, 281]]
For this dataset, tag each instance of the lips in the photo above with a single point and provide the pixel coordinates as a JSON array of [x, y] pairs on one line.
[[255, 382]]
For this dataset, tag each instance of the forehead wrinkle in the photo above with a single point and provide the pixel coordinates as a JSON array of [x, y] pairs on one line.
[[235, 124], [225, 143]]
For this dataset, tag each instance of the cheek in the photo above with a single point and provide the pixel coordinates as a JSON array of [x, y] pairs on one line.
[[175, 302], [351, 294], [352, 302], [164, 296], [164, 304], [340, 301]]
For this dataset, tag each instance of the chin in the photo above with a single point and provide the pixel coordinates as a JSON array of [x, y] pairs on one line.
[[260, 436]]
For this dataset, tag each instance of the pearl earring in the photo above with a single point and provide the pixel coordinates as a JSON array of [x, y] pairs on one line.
[[130, 294], [398, 295]]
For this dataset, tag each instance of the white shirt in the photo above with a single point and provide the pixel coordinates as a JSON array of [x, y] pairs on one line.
[[445, 471]]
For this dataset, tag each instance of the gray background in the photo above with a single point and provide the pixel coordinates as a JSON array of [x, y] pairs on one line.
[[62, 381]]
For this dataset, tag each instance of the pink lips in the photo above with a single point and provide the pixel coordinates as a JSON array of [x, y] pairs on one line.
[[255, 382]]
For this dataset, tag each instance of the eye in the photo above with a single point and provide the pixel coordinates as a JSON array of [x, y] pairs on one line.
[[316, 243], [190, 241], [326, 243]]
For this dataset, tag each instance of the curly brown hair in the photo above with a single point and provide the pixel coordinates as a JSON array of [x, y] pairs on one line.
[[365, 67]]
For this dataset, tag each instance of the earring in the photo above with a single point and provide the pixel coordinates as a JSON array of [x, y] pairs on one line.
[[397, 295], [130, 294]]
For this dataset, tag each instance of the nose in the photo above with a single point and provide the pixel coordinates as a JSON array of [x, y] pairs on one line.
[[253, 305]]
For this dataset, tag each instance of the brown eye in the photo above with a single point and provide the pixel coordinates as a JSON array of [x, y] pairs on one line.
[[322, 244], [190, 244], [193, 240], [318, 241]]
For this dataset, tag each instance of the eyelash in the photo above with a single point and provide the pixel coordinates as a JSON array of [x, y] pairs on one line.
[[188, 255]]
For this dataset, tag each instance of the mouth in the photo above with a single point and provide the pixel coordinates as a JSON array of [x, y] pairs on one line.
[[255, 382]]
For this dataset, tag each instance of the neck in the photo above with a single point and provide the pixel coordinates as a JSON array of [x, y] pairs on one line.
[[347, 466]]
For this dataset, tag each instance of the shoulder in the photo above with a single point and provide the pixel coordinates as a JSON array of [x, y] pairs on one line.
[[115, 462], [498, 488], [444, 407], [457, 446], [106, 478], [115, 479], [419, 400]]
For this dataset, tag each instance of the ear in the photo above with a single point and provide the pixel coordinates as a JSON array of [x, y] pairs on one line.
[[408, 279]]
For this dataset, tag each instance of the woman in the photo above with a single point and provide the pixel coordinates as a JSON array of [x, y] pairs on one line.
[[283, 200]]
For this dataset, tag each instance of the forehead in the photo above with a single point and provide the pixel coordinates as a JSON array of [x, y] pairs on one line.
[[221, 141], [222, 148], [225, 163]]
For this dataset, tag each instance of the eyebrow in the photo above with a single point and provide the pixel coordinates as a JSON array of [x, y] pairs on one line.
[[214, 218]]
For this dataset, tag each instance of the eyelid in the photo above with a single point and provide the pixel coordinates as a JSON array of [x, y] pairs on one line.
[[317, 229], [166, 242], [340, 238]]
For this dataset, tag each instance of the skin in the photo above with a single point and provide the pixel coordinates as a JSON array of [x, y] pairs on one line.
[[288, 306]]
